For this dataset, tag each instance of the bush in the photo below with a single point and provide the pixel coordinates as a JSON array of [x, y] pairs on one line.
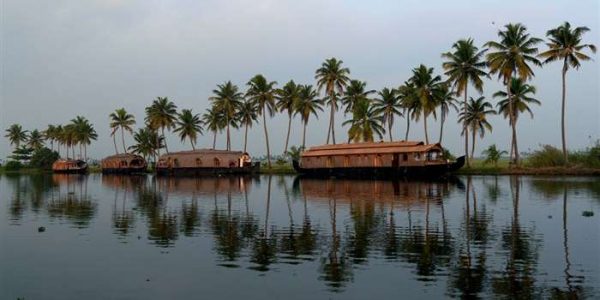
[[548, 156], [43, 158], [589, 158], [13, 165]]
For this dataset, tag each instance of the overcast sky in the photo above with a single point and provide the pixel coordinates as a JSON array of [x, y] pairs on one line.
[[60, 59]]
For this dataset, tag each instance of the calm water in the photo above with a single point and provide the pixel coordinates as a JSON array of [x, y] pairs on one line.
[[279, 237]]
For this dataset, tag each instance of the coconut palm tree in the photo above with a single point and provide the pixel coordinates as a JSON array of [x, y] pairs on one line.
[[565, 44], [365, 123], [476, 118], [388, 105], [512, 57], [120, 119], [287, 97], [50, 135], [493, 154], [308, 104], [332, 76], [425, 84], [355, 92], [160, 115], [409, 102], [465, 63], [69, 138], [247, 115], [214, 121], [35, 140], [16, 135], [58, 137], [82, 134], [522, 97], [262, 93], [188, 125], [227, 99], [445, 100], [147, 143]]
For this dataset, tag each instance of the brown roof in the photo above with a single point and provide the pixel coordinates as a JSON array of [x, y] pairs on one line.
[[370, 148], [122, 156], [205, 152]]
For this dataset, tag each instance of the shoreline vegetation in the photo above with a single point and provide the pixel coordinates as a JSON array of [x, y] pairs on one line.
[[369, 115]]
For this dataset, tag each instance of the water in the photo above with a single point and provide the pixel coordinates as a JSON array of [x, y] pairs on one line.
[[111, 237]]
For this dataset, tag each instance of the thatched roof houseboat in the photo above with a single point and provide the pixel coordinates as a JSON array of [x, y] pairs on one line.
[[69, 166], [125, 163], [206, 161], [404, 158]]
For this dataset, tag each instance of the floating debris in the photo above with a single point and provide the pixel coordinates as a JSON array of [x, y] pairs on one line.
[[587, 213], [41, 229]]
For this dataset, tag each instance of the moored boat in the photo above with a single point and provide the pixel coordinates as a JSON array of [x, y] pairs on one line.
[[125, 163], [206, 162], [383, 159], [69, 166]]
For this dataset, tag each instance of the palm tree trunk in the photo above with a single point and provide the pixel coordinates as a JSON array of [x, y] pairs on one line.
[[514, 150], [214, 139], [123, 140], [115, 142], [192, 142], [266, 136], [473, 144], [228, 136], [425, 127], [562, 115], [407, 126], [390, 130], [304, 136], [287, 139], [85, 152], [165, 138], [443, 118], [466, 129], [245, 137]]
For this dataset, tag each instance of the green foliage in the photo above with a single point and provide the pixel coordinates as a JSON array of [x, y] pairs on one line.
[[493, 155], [22, 153], [446, 154], [548, 156], [589, 158], [43, 158], [294, 152], [13, 165]]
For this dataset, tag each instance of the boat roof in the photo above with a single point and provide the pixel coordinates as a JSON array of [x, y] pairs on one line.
[[370, 148], [203, 152], [123, 155]]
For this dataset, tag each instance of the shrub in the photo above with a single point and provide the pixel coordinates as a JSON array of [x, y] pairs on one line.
[[13, 165], [589, 157], [43, 158], [548, 156]]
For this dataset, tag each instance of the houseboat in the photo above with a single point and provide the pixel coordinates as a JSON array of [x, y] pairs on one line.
[[71, 166], [383, 159], [125, 163], [206, 162]]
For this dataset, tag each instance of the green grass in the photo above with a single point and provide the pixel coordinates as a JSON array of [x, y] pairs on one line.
[[277, 169]]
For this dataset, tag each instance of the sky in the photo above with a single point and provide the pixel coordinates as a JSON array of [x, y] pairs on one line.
[[60, 59]]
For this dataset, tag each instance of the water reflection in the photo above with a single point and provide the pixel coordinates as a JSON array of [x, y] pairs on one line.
[[451, 233]]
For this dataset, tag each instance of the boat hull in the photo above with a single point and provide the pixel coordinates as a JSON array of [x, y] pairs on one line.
[[252, 169], [123, 170], [429, 171], [71, 171]]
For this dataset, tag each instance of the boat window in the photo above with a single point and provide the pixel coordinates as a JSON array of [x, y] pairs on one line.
[[123, 163], [417, 156], [217, 162], [198, 161], [176, 162], [405, 157], [346, 161]]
